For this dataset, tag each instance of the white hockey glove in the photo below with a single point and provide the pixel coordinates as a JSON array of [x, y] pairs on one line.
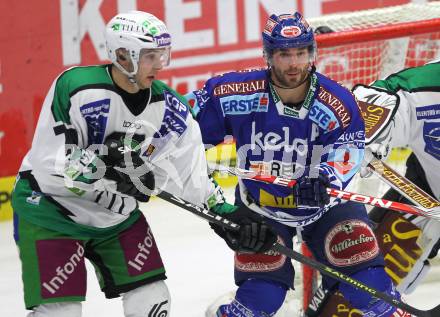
[[378, 108], [376, 150]]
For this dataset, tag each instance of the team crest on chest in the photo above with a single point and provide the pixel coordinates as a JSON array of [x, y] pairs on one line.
[[96, 115]]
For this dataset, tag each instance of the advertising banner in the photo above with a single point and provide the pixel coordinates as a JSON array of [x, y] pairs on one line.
[[42, 38]]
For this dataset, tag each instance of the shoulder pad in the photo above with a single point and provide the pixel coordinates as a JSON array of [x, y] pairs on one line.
[[175, 115], [378, 108], [336, 104], [175, 104], [235, 83]]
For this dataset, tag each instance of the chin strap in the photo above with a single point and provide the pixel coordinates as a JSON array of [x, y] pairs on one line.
[[130, 76]]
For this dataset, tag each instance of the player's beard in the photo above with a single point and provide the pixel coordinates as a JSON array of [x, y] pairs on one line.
[[281, 78]]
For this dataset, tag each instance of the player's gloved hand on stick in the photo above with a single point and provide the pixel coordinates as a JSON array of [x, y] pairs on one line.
[[378, 140], [373, 151], [131, 175], [312, 191], [255, 235]]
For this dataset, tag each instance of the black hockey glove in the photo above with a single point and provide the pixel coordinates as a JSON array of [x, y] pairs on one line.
[[312, 192], [118, 167], [254, 236]]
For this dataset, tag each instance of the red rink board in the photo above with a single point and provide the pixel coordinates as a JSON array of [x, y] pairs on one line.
[[42, 38]]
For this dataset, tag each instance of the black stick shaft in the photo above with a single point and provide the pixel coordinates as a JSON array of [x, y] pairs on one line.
[[323, 269]]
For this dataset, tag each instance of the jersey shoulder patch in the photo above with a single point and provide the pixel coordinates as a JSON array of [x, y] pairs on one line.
[[240, 93], [175, 115], [174, 104], [378, 108], [237, 83], [73, 81], [337, 99]]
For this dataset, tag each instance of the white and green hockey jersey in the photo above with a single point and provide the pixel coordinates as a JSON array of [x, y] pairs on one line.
[[82, 109], [417, 120]]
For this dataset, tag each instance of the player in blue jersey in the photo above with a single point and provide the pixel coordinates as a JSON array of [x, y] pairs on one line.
[[292, 121]]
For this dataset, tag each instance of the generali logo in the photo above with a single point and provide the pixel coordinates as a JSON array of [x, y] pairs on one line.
[[339, 108]]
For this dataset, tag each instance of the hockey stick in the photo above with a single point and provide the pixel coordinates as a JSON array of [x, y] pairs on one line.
[[402, 185], [378, 123], [325, 270], [433, 213]]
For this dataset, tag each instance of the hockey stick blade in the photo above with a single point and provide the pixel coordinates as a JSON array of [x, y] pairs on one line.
[[402, 185], [345, 195], [325, 270]]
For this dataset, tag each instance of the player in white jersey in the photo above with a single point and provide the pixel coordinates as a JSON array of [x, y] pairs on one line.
[[107, 136], [412, 97]]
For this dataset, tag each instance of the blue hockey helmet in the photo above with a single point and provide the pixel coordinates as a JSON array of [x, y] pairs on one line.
[[288, 31]]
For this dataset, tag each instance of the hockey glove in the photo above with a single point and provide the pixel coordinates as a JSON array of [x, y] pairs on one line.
[[119, 167], [383, 106], [373, 151], [312, 192], [254, 235]]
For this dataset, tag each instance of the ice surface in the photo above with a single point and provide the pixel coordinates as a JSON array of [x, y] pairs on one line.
[[199, 268]]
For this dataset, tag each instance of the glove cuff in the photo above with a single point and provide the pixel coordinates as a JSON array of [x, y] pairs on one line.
[[224, 209]]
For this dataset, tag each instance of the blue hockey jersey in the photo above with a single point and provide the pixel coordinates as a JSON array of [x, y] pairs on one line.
[[326, 132]]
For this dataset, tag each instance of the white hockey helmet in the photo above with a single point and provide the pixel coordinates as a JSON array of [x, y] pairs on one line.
[[136, 31]]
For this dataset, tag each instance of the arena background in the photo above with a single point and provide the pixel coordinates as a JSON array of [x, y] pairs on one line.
[[39, 39]]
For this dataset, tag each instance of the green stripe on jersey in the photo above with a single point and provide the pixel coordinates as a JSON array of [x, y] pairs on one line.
[[424, 78], [73, 80], [159, 87]]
